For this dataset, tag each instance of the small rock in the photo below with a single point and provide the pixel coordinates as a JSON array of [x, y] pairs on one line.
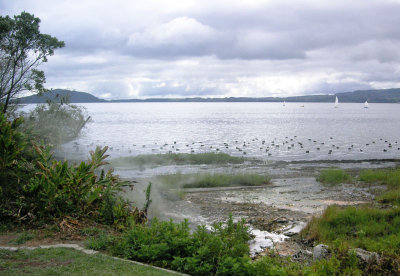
[[287, 249], [367, 256], [320, 252]]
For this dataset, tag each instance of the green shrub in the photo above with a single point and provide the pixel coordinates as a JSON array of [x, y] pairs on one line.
[[333, 176], [15, 168], [172, 245], [99, 242], [34, 187], [58, 189]]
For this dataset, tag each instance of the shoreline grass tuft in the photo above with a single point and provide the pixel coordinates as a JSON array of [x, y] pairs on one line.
[[334, 176], [176, 159], [208, 180], [366, 227]]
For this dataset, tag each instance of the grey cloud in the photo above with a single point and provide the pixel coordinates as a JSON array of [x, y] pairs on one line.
[[222, 48]]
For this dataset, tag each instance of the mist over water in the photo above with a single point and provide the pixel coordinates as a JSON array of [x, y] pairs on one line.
[[269, 131]]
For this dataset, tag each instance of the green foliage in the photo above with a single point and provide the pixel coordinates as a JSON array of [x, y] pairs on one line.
[[55, 123], [34, 187], [15, 169], [177, 159], [333, 176], [148, 200], [391, 197], [386, 177], [224, 248], [365, 227], [23, 238], [373, 176], [12, 142], [391, 178], [22, 49], [207, 180], [59, 190], [99, 242]]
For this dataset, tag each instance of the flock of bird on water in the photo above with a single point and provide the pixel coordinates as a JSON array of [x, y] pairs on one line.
[[261, 145]]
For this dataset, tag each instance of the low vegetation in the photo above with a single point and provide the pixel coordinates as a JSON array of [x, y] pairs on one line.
[[373, 227], [209, 180], [221, 250], [365, 227], [176, 159], [333, 176]]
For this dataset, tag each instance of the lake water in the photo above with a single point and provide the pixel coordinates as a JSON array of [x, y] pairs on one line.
[[269, 131]]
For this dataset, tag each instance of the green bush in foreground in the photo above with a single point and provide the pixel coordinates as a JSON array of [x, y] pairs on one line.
[[222, 250], [333, 176], [35, 188]]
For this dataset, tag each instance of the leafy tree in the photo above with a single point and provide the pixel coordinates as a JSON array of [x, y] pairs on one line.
[[22, 49]]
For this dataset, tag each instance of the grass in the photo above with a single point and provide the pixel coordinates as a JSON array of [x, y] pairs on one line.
[[390, 178], [65, 261], [366, 227], [333, 176], [23, 238], [373, 227], [207, 180], [176, 159]]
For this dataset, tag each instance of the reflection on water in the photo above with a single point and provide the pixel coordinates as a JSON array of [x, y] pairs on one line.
[[268, 131]]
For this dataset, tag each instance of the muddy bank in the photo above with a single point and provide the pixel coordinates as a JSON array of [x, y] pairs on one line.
[[276, 213]]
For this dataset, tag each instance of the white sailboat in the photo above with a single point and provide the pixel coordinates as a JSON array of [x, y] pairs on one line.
[[284, 103], [336, 102], [366, 104]]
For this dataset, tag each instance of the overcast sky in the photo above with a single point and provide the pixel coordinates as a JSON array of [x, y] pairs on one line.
[[210, 48]]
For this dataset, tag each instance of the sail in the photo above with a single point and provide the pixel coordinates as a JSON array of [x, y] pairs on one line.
[[336, 102], [366, 104]]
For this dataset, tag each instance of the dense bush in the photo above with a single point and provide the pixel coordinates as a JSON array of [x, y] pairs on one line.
[[34, 187], [222, 249]]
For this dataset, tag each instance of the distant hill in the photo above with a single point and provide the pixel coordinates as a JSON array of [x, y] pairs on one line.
[[372, 96], [57, 94]]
